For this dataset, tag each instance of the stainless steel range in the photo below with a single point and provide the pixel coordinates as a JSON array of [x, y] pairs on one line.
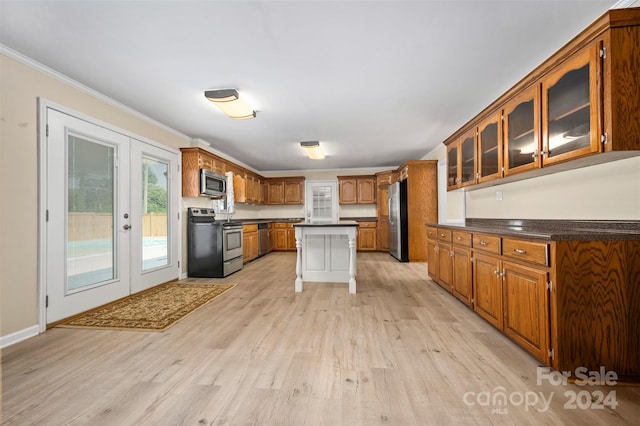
[[214, 247]]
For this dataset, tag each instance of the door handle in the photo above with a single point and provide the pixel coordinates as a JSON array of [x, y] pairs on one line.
[[126, 227]]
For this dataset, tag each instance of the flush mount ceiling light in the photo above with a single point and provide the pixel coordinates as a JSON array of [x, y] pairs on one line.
[[313, 150], [230, 103]]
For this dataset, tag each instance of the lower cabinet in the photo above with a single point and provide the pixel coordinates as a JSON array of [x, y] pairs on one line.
[[249, 242], [487, 288], [283, 236], [445, 266], [506, 289], [462, 276], [526, 307], [367, 236]]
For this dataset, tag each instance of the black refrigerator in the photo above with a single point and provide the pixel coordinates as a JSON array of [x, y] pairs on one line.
[[398, 221]]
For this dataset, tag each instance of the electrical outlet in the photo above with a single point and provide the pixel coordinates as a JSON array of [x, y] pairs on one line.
[[499, 195]]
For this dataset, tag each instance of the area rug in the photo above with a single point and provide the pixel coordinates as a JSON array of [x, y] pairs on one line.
[[155, 309]]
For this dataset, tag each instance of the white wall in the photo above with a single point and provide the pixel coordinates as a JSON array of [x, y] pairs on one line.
[[603, 192], [609, 191]]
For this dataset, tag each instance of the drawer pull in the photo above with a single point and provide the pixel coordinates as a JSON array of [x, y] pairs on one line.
[[483, 243], [519, 251], [459, 238], [442, 235]]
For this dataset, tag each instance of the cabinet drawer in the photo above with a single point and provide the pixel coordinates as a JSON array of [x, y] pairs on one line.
[[486, 242], [432, 232], [367, 224], [461, 238], [527, 251], [250, 228], [444, 235], [282, 225]]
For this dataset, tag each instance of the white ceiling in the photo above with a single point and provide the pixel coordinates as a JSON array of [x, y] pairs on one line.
[[377, 82]]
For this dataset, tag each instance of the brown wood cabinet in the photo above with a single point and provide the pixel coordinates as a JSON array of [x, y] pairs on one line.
[[357, 189], [526, 307], [284, 236], [487, 288], [490, 148], [462, 278], [522, 132], [194, 159], [422, 203], [383, 180], [570, 114], [570, 303], [576, 109], [450, 261], [249, 242], [287, 190], [461, 161], [367, 238]]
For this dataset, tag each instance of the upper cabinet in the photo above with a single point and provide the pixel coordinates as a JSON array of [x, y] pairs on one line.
[[521, 134], [357, 189], [287, 190], [580, 107], [461, 161], [570, 109], [490, 148]]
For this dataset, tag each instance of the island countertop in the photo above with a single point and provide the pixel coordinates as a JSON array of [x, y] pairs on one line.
[[326, 224]]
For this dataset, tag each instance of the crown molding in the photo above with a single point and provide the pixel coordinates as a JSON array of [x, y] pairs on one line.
[[31, 63]]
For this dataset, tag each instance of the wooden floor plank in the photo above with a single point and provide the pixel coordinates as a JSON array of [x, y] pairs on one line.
[[401, 351]]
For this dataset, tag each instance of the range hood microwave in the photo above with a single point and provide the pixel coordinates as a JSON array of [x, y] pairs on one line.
[[212, 184]]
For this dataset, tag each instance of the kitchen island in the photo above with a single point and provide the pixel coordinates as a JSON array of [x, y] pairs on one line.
[[326, 252]]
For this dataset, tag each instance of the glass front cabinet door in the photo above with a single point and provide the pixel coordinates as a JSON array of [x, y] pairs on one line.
[[461, 161], [521, 132], [453, 178], [490, 148], [468, 158], [570, 127]]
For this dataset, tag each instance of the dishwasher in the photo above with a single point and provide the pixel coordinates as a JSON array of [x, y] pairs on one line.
[[263, 239]]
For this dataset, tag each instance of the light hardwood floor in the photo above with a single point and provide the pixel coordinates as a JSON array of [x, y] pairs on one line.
[[399, 352]]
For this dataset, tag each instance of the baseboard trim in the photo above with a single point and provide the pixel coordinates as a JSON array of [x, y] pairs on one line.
[[18, 336]]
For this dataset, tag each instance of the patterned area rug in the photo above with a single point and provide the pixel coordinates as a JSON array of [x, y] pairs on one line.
[[155, 309]]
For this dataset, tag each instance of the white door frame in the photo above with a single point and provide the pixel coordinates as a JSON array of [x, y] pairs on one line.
[[43, 105]]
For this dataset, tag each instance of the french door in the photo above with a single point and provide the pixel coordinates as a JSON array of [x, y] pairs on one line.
[[154, 205], [111, 224], [87, 231]]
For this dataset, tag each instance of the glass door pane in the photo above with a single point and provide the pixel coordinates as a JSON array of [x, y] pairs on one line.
[[452, 165], [468, 151], [322, 201], [155, 205], [522, 142], [91, 223], [569, 113], [489, 158]]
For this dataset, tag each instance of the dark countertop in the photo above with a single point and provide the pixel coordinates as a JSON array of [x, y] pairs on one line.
[[280, 220], [553, 230], [299, 219], [361, 219], [327, 224]]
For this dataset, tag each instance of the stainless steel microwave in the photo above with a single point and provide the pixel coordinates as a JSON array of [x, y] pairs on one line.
[[212, 184]]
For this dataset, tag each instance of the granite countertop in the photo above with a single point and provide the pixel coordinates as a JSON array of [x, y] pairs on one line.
[[553, 230], [327, 224]]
